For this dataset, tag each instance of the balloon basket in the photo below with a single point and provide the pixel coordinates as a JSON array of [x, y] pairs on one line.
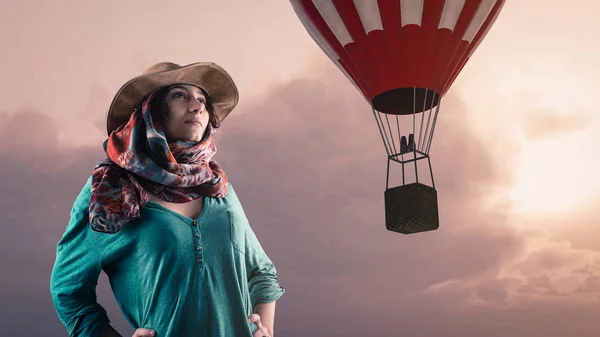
[[411, 208]]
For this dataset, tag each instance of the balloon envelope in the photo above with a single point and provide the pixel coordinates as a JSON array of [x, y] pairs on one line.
[[402, 55]]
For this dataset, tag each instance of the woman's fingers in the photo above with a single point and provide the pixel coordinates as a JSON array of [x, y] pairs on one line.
[[254, 318], [261, 331], [143, 332]]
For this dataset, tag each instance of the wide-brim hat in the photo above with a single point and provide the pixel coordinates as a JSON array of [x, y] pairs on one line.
[[206, 75]]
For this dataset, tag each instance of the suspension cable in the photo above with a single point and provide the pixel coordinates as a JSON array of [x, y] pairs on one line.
[[437, 110], [417, 145], [429, 113], [391, 135], [414, 118], [381, 131]]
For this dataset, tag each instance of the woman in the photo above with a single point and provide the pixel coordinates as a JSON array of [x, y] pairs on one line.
[[162, 221]]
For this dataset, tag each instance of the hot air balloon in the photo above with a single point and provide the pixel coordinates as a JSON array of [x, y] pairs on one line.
[[402, 56]]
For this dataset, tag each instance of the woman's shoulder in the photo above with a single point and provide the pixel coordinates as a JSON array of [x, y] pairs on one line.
[[230, 190], [83, 198], [79, 221], [231, 197], [229, 202]]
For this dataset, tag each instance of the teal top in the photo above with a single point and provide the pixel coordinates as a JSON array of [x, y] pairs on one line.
[[175, 275]]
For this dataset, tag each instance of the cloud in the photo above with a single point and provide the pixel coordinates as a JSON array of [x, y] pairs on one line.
[[540, 122], [98, 97], [26, 133], [39, 183], [547, 124], [309, 167]]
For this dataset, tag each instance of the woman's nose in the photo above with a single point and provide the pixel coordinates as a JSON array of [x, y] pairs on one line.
[[196, 106]]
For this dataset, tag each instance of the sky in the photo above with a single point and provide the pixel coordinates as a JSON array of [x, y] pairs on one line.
[[513, 158]]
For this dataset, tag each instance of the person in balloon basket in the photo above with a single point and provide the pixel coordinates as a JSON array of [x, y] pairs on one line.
[[160, 218]]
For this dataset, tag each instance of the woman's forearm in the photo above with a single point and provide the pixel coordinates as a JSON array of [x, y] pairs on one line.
[[266, 311]]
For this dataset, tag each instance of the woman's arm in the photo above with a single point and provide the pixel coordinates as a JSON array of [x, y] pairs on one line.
[[262, 275], [266, 311], [75, 274], [263, 285], [262, 282]]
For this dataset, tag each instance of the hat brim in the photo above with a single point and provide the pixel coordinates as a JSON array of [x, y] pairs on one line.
[[207, 75]]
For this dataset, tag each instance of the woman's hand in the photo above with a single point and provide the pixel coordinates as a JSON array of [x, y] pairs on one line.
[[142, 332], [262, 331]]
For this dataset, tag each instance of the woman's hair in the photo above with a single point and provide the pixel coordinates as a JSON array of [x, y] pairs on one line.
[[160, 108]]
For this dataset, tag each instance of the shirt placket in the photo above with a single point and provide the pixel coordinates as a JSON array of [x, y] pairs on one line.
[[197, 243]]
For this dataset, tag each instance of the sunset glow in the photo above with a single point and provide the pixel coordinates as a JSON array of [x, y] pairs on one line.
[[556, 175]]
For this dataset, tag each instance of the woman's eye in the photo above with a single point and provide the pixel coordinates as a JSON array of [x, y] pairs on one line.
[[201, 100], [178, 95]]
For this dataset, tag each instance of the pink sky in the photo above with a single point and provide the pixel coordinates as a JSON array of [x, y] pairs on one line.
[[513, 158]]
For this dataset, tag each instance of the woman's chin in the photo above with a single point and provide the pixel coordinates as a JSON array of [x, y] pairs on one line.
[[196, 137]]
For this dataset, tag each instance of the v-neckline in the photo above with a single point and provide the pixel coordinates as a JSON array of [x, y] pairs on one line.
[[156, 205]]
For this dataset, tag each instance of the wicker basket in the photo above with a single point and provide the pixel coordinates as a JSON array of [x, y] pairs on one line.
[[411, 208]]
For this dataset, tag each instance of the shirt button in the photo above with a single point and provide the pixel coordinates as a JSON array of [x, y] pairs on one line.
[[197, 235], [199, 260], [197, 247]]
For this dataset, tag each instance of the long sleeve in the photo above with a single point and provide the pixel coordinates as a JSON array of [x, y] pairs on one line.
[[75, 274], [262, 274]]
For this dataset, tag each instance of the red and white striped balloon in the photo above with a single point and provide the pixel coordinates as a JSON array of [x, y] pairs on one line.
[[386, 45]]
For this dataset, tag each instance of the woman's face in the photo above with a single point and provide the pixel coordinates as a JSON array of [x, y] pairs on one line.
[[188, 117]]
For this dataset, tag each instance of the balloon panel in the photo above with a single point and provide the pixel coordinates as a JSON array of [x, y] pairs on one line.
[[385, 47]]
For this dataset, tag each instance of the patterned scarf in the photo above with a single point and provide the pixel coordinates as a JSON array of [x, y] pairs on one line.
[[139, 158]]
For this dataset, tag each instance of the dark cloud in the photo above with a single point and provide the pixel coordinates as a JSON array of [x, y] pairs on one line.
[[27, 134], [39, 183], [494, 291], [308, 164], [96, 108]]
